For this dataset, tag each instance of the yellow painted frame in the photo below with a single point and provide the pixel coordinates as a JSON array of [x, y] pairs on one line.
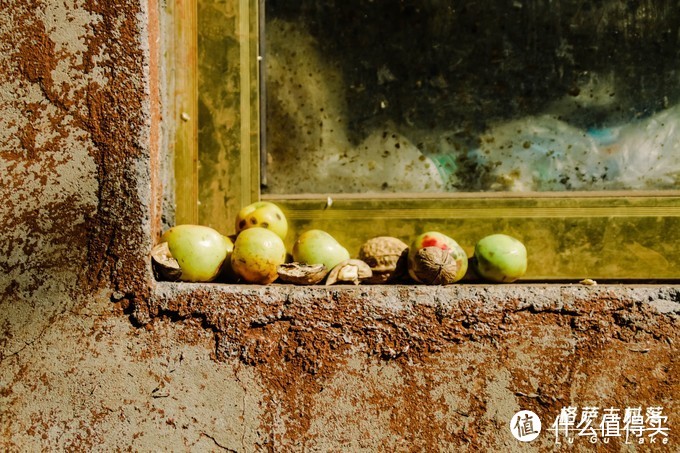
[[182, 77], [569, 236]]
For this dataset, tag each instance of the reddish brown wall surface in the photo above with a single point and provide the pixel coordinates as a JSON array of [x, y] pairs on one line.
[[205, 367], [76, 147]]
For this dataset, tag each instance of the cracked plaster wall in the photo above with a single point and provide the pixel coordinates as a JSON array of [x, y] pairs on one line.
[[95, 356]]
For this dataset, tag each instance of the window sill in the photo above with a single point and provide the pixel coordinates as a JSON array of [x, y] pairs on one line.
[[394, 320]]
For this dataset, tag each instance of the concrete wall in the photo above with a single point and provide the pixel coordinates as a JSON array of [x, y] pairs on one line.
[[95, 356]]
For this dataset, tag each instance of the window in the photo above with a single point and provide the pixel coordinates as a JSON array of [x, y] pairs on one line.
[[556, 123]]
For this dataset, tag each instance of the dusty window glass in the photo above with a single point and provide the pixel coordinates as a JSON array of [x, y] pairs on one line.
[[434, 96]]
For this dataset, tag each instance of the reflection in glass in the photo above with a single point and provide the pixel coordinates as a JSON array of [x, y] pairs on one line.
[[428, 96]]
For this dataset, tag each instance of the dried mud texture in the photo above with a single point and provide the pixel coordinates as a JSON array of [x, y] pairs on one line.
[[94, 382], [76, 171], [75, 165], [410, 368]]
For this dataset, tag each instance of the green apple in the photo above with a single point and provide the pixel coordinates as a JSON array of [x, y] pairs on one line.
[[258, 252], [319, 247], [444, 242], [199, 250], [262, 214], [500, 258]]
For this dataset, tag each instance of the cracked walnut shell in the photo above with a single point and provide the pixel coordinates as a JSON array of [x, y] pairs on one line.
[[349, 271], [301, 273]]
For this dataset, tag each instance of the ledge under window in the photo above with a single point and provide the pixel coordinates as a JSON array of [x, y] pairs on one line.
[[390, 321]]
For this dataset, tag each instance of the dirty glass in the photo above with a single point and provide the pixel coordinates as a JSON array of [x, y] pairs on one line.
[[433, 96]]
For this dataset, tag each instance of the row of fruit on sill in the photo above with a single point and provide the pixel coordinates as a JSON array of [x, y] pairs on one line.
[[257, 254]]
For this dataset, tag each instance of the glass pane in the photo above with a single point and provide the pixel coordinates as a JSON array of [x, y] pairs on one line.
[[435, 96]]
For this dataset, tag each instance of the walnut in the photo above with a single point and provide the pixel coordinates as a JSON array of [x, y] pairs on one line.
[[433, 266], [387, 258]]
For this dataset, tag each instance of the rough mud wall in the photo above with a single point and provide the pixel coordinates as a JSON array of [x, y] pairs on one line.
[[408, 368], [75, 176], [209, 368], [74, 145]]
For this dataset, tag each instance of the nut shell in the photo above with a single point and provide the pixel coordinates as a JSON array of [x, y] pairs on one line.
[[165, 267], [386, 256], [301, 273], [349, 271], [433, 266]]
